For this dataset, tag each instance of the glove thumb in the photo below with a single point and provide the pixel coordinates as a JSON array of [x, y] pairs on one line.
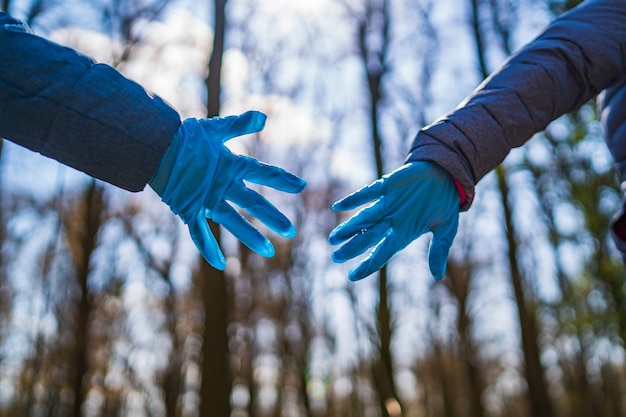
[[440, 248]]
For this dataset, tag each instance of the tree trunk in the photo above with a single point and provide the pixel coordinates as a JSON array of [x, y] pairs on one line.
[[172, 378], [216, 384], [89, 226], [539, 401], [383, 365], [214, 79], [216, 381], [538, 397], [459, 285], [443, 380]]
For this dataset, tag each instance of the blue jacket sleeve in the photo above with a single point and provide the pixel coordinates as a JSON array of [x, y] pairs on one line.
[[575, 58], [86, 115], [612, 105]]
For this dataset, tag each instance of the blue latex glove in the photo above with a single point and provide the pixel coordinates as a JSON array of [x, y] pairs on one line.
[[417, 198], [199, 176]]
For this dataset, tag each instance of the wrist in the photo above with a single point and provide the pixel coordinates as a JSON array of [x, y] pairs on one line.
[[159, 180]]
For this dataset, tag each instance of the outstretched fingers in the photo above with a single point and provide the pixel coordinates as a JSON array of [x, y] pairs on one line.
[[235, 223], [230, 127], [259, 207], [361, 242], [271, 176], [379, 257], [364, 219], [360, 197], [205, 242]]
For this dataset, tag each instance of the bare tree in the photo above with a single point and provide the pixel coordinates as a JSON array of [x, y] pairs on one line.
[[459, 281], [83, 228], [374, 43], [216, 380], [539, 400], [170, 378]]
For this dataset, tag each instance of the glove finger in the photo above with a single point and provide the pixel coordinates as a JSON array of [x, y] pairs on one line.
[[236, 224], [443, 236], [258, 206], [362, 196], [360, 243], [271, 176], [379, 257], [229, 127], [362, 220], [206, 243]]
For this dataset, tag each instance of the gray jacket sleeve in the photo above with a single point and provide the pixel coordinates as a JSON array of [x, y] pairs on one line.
[[576, 57], [62, 104]]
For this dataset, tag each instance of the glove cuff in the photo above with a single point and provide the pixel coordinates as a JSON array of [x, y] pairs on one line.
[[187, 171], [159, 180]]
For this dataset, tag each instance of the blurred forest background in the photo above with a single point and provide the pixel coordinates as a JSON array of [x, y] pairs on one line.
[[106, 308]]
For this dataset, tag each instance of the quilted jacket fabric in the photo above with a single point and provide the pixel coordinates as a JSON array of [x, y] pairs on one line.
[[64, 105], [578, 56]]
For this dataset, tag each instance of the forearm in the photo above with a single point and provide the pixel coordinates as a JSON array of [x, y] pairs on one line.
[[62, 104], [575, 58]]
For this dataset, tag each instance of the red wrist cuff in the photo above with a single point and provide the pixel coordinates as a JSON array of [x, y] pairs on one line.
[[461, 190]]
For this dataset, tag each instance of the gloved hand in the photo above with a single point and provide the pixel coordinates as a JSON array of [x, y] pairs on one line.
[[417, 198], [198, 176]]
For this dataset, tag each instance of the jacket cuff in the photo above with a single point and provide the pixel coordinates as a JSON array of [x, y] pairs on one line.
[[462, 193]]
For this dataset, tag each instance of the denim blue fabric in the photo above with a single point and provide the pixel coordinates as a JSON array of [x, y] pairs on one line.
[[417, 198], [62, 104]]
